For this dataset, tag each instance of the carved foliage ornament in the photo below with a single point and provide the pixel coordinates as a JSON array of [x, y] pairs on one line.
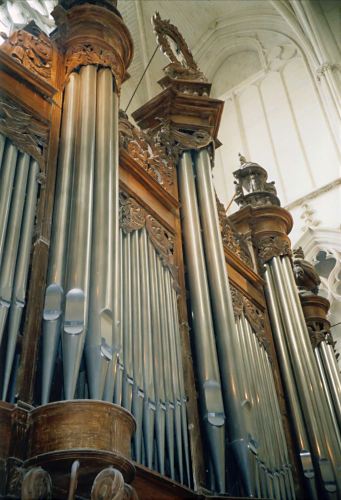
[[319, 331], [242, 305], [87, 53], [26, 133], [31, 48], [133, 217], [231, 238], [272, 246], [173, 45], [147, 152]]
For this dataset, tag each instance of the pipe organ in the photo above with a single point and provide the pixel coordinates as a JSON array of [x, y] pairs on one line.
[[150, 345]]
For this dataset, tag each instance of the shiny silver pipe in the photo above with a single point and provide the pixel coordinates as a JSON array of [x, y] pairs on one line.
[[10, 250], [148, 354], [21, 271], [127, 322], [54, 295], [2, 148], [8, 168], [172, 332], [223, 317], [117, 333], [289, 383], [326, 386], [278, 418], [333, 377], [258, 410], [182, 386], [168, 372], [98, 342], [138, 393], [79, 248], [327, 434], [158, 364], [206, 354]]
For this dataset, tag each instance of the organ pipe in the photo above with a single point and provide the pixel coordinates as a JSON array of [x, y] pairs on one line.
[[206, 353]]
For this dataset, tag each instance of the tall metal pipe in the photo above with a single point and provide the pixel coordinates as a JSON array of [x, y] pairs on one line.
[[204, 341], [8, 167], [329, 434], [306, 386], [54, 295], [223, 317], [78, 268], [21, 271], [167, 373], [138, 392], [10, 250], [117, 333], [326, 387], [333, 377], [128, 379], [290, 385], [158, 365], [172, 332], [98, 342], [182, 386], [2, 147], [148, 354]]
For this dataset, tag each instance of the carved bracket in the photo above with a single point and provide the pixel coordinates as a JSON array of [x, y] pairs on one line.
[[147, 152], [29, 135]]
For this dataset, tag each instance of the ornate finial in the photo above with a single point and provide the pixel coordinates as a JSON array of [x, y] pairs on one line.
[[182, 65], [306, 277], [252, 187], [242, 159]]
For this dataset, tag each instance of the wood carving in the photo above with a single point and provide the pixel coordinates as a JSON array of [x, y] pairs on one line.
[[132, 215], [88, 53], [231, 238], [306, 277], [15, 473], [147, 152], [108, 485], [36, 485], [272, 246], [31, 48], [175, 48], [237, 301], [129, 493], [25, 132], [318, 332]]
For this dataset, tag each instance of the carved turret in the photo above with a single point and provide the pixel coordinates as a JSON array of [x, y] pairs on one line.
[[260, 218]]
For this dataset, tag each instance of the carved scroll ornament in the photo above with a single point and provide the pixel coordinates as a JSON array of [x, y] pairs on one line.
[[108, 485], [26, 133], [132, 215], [88, 53], [272, 246], [36, 485], [147, 152], [31, 48]]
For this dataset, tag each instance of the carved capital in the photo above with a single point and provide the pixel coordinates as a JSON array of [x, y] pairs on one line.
[[32, 48], [272, 246], [93, 34], [36, 485], [29, 135], [108, 485]]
